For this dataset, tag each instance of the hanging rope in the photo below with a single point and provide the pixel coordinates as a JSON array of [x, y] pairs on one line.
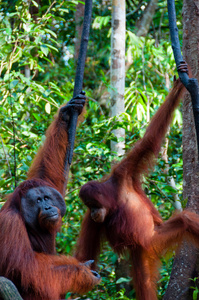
[[78, 82], [191, 84]]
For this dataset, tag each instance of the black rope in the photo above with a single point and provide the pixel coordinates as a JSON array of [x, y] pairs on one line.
[[78, 82], [191, 84]]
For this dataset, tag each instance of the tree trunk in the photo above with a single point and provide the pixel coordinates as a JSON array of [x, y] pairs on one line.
[[142, 26], [123, 270], [184, 263], [144, 23], [117, 98], [118, 68]]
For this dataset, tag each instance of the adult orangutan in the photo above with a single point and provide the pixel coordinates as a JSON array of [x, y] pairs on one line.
[[31, 217], [119, 210]]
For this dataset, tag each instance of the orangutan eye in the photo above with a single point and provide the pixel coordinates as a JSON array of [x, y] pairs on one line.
[[38, 200]]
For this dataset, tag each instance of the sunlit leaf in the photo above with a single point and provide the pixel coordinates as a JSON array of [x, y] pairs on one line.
[[48, 108], [44, 49]]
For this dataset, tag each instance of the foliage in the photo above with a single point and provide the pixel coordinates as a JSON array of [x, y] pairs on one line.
[[25, 51], [195, 288], [37, 76]]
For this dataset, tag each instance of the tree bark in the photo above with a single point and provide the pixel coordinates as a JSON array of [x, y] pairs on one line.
[[144, 23], [123, 270], [118, 68], [184, 263], [142, 26]]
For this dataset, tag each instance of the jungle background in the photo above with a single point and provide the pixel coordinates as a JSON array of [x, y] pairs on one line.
[[37, 71]]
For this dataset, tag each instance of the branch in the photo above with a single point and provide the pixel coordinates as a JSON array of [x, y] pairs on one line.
[[146, 19]]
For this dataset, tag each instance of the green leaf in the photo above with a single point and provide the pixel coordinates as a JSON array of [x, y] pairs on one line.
[[35, 3], [8, 31], [6, 77], [37, 117], [52, 47], [48, 108], [44, 49], [195, 294], [122, 279], [38, 39], [51, 32], [13, 83]]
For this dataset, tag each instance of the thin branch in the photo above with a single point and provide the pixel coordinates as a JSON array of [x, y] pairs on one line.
[[97, 104], [49, 8], [6, 158], [170, 179], [135, 10], [160, 190], [14, 143], [12, 57], [71, 191]]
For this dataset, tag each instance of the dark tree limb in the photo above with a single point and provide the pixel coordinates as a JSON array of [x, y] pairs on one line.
[[191, 84], [78, 82]]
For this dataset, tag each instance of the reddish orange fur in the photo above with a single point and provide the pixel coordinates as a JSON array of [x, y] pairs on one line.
[[132, 221], [41, 275], [49, 162]]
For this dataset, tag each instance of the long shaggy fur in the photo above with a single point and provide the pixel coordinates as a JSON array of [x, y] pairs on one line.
[[40, 275], [48, 164], [132, 221]]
